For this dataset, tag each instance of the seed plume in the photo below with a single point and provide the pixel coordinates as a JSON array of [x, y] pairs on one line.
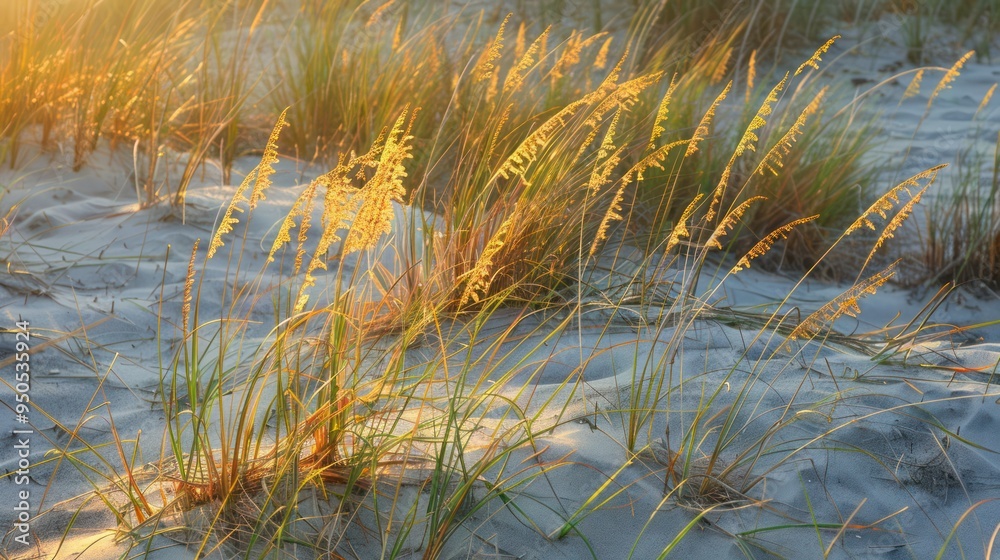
[[702, 130], [815, 58], [764, 245]]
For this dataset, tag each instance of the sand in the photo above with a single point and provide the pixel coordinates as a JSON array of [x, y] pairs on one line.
[[888, 470]]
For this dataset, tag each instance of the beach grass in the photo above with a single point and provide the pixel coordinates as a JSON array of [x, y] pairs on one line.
[[489, 190]]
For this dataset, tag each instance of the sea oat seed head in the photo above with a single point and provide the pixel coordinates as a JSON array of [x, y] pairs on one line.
[[477, 280], [764, 245], [815, 58], [914, 87], [703, 127], [729, 222], [949, 77]]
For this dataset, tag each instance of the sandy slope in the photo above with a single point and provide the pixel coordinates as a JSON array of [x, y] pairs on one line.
[[85, 259]]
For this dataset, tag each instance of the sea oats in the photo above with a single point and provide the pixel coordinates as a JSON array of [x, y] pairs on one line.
[[680, 229], [608, 144], [721, 67], [764, 245], [338, 205], [374, 216], [620, 96], [661, 115], [751, 73], [612, 215], [624, 95], [543, 50], [750, 138], [949, 77], [719, 190], [896, 222], [188, 286], [815, 58], [477, 281], [844, 304], [885, 203], [518, 161], [602, 55], [515, 78], [487, 66], [986, 99], [379, 13], [702, 130], [654, 159], [284, 231], [397, 36], [521, 40], [772, 160], [228, 221], [300, 250], [914, 87], [614, 73], [729, 222], [497, 129], [570, 56], [601, 173]]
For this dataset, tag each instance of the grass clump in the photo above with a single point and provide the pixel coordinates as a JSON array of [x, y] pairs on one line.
[[377, 382]]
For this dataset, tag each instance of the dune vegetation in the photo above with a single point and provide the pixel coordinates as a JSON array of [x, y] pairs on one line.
[[490, 189]]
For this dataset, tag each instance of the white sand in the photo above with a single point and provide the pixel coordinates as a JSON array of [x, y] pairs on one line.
[[84, 258]]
